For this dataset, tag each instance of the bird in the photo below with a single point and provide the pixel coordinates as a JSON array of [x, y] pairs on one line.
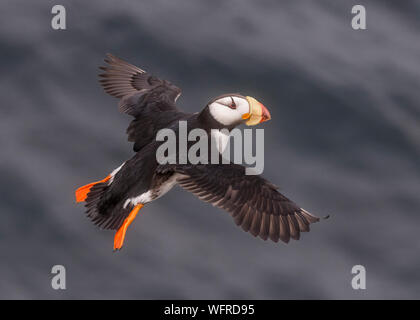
[[114, 202]]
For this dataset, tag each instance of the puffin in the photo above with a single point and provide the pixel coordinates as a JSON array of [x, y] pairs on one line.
[[254, 203]]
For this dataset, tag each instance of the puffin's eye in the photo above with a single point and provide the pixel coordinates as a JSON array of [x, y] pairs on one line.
[[233, 104]]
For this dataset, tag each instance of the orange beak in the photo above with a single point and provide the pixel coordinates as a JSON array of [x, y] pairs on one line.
[[265, 114], [257, 112]]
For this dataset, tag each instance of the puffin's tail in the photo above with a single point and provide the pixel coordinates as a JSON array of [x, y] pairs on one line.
[[103, 205], [82, 192], [92, 194]]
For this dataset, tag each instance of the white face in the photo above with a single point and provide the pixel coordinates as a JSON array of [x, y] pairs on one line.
[[229, 110]]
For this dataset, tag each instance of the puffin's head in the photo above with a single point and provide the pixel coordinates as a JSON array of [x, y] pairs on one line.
[[233, 109]]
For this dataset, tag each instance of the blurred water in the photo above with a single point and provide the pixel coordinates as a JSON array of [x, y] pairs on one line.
[[344, 140]]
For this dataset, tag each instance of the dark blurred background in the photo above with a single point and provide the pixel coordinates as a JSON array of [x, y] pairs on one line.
[[344, 141]]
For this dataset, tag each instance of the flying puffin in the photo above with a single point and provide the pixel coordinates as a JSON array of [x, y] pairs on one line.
[[254, 203]]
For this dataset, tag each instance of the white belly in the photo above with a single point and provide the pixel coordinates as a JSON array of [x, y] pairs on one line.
[[155, 193]]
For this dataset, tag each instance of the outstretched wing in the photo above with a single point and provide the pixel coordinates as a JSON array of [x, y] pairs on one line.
[[150, 100], [254, 203]]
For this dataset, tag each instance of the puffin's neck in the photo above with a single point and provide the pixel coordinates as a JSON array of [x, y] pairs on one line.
[[207, 120]]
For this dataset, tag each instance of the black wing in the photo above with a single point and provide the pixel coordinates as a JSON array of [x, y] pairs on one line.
[[254, 203], [151, 101]]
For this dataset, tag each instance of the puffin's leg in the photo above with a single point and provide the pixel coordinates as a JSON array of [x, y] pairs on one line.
[[82, 192], [120, 235]]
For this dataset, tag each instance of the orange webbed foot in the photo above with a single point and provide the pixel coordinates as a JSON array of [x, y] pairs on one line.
[[82, 192], [120, 235]]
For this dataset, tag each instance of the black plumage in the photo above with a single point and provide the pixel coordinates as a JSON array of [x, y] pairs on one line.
[[254, 203]]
